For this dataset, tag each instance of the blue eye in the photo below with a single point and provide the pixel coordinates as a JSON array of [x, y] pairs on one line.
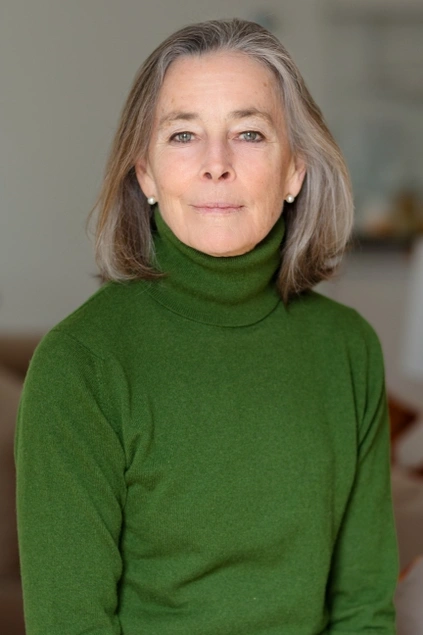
[[182, 137], [252, 135]]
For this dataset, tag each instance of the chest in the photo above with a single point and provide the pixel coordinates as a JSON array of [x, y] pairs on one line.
[[239, 435]]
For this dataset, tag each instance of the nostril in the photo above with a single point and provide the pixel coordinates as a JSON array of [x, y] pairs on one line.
[[219, 175]]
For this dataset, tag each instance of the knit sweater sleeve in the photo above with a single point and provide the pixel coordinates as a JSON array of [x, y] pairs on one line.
[[70, 493], [365, 562]]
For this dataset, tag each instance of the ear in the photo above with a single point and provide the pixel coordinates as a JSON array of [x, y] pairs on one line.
[[296, 175], [145, 177]]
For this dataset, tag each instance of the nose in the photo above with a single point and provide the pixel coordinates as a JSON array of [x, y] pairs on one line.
[[217, 162]]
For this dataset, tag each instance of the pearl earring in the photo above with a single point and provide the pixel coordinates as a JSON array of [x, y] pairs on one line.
[[290, 198], [151, 200]]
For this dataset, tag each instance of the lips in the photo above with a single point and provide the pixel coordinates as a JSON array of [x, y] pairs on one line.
[[217, 206]]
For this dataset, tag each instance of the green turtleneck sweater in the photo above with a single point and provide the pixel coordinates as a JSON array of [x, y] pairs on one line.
[[195, 458]]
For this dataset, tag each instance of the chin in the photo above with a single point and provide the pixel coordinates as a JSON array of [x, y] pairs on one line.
[[222, 249]]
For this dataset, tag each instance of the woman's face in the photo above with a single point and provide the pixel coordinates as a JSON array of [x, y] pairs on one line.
[[219, 162]]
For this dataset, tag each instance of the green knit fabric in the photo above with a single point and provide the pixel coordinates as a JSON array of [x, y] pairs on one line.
[[195, 458]]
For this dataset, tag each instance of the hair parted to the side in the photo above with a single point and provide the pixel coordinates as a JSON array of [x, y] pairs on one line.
[[318, 223]]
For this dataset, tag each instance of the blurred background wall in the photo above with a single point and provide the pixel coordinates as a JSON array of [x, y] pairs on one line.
[[66, 68]]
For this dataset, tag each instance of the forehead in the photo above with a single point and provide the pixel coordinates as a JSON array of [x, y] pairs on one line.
[[217, 79]]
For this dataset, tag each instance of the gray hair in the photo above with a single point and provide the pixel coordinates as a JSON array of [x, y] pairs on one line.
[[318, 223]]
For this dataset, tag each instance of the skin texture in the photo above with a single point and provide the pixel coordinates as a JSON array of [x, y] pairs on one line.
[[219, 162]]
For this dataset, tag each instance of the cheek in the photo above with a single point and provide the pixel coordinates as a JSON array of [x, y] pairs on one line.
[[265, 164], [266, 184], [171, 173], [265, 179]]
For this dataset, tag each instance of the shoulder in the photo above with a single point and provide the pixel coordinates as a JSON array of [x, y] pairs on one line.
[[86, 354], [348, 352], [105, 320], [340, 338], [96, 342], [328, 318]]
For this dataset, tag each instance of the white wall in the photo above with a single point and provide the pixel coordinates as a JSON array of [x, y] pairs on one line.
[[65, 69]]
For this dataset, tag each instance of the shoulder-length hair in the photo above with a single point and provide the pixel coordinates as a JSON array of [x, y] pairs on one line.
[[318, 223]]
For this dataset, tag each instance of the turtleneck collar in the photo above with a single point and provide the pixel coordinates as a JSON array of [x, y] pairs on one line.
[[223, 291]]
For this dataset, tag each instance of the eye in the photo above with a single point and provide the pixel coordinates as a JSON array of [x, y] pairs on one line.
[[252, 136], [182, 137]]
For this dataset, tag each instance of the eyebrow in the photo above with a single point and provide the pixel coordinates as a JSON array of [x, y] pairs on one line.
[[179, 115], [252, 112]]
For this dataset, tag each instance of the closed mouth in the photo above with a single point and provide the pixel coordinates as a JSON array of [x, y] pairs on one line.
[[217, 206]]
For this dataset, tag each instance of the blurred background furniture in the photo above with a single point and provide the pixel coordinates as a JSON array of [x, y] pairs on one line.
[[15, 353], [413, 327]]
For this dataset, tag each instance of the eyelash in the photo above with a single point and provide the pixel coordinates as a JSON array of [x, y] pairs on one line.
[[175, 136], [254, 132], [178, 134]]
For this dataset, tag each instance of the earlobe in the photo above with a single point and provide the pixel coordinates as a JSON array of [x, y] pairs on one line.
[[144, 177]]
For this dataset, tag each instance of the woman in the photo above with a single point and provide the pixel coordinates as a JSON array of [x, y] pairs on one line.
[[202, 447]]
